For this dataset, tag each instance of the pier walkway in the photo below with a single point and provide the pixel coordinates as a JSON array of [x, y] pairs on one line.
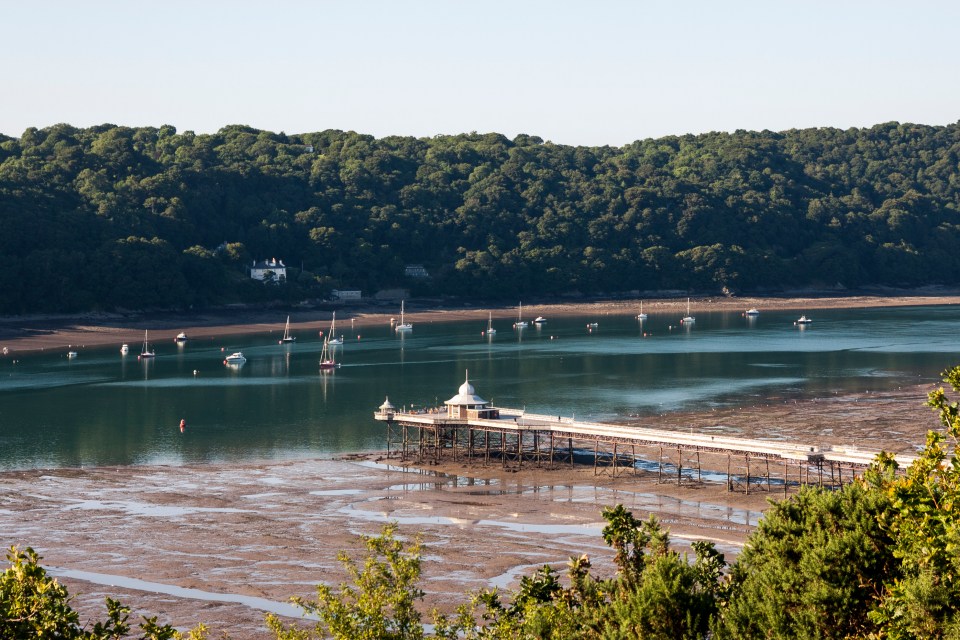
[[469, 428]]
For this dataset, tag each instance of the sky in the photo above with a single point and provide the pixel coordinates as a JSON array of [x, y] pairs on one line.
[[590, 73]]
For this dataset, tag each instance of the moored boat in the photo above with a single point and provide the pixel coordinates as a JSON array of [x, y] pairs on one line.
[[146, 352], [235, 358], [403, 325], [287, 338]]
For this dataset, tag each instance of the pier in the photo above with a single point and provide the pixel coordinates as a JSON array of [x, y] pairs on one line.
[[468, 428]]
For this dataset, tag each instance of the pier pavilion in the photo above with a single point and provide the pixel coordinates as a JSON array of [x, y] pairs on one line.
[[468, 428]]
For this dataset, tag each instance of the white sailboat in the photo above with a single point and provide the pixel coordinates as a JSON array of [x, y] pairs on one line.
[[332, 335], [145, 352], [287, 338], [490, 330], [688, 319], [327, 360], [642, 315], [520, 324], [403, 326]]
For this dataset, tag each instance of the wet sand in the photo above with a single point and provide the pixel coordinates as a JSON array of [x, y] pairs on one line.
[[257, 533], [270, 530], [34, 333]]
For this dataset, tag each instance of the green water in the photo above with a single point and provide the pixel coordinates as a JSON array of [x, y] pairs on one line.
[[102, 408]]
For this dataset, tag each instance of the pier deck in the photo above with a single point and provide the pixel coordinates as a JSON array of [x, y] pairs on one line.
[[514, 437]]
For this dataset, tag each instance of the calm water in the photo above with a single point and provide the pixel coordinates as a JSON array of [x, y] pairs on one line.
[[102, 408]]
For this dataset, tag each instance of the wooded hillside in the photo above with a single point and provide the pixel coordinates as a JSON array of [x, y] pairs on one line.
[[116, 217]]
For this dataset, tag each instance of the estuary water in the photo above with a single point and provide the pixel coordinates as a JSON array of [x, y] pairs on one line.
[[103, 408]]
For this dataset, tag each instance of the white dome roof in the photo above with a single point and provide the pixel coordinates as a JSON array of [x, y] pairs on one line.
[[466, 396], [387, 405]]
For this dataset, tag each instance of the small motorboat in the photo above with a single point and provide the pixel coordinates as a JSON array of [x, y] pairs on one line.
[[752, 312], [181, 338], [539, 320], [125, 349], [235, 358], [592, 325], [803, 320], [71, 354]]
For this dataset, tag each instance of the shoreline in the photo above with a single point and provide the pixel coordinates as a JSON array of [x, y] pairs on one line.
[[213, 538], [25, 334]]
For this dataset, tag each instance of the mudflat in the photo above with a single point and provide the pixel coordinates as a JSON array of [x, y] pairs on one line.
[[222, 543]]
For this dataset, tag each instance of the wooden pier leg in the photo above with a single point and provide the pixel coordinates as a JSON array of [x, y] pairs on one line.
[[519, 449], [536, 446], [729, 477], [660, 466], [786, 475], [503, 448], [614, 459], [679, 465], [633, 459], [746, 488], [551, 449], [699, 469], [453, 433], [570, 448], [820, 473], [486, 446], [768, 474], [596, 454]]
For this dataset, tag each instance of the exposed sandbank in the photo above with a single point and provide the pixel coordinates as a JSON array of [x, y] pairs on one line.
[[34, 333]]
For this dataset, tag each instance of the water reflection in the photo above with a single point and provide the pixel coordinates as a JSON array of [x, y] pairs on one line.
[[92, 411]]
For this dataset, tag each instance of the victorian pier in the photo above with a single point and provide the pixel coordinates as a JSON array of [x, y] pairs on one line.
[[468, 428]]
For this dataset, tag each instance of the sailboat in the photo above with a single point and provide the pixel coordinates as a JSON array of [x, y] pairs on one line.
[[327, 361], [490, 330], [642, 315], [403, 326], [287, 338], [688, 319], [145, 352], [520, 324], [332, 335]]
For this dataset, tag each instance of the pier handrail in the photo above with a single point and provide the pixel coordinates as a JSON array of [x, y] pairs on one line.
[[520, 420]]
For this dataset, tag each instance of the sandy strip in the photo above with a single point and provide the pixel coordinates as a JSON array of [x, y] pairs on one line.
[[33, 333]]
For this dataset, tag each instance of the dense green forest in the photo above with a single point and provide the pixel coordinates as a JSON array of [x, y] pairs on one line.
[[115, 217]]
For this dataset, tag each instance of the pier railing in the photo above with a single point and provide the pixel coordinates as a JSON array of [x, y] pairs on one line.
[[518, 436]]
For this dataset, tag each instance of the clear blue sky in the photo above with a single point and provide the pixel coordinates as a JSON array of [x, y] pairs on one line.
[[593, 72]]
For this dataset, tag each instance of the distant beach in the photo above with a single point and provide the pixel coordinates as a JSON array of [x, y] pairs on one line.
[[39, 332]]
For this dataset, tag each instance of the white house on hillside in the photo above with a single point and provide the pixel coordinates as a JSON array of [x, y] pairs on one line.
[[262, 270]]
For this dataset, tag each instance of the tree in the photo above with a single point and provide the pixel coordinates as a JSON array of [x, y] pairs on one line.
[[34, 606], [923, 601], [379, 605]]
